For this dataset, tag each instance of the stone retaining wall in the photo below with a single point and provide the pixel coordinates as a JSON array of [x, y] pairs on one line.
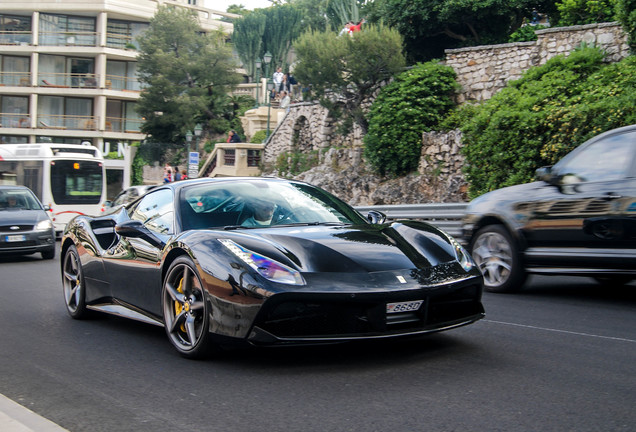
[[484, 70]]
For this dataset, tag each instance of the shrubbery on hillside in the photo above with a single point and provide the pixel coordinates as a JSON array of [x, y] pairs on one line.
[[539, 118], [415, 102]]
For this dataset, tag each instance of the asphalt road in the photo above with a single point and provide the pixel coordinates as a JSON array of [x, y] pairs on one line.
[[560, 356]]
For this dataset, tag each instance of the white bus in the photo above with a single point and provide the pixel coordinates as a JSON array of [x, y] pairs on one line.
[[68, 178]]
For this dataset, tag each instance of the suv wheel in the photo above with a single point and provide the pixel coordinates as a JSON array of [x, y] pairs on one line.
[[497, 256]]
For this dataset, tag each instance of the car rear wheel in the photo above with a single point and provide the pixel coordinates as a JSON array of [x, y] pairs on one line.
[[73, 285], [185, 311], [497, 256]]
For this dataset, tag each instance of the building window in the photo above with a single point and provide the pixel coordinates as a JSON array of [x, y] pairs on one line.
[[121, 116], [253, 158], [13, 139], [60, 71], [57, 112], [15, 30], [14, 111], [66, 30], [14, 71], [122, 75], [124, 34]]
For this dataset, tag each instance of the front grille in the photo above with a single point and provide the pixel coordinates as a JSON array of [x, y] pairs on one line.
[[359, 318], [6, 229]]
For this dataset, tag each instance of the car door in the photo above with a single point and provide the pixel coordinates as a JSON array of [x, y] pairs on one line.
[[134, 264], [592, 189]]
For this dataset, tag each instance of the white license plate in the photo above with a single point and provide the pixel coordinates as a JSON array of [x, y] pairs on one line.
[[14, 238], [408, 306]]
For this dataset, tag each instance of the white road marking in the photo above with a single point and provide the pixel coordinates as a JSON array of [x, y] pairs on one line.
[[561, 331]]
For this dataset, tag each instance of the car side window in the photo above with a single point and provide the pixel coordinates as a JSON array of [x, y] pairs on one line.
[[156, 211], [605, 160]]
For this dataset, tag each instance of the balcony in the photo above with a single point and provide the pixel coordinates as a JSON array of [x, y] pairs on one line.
[[119, 41], [64, 122], [79, 38], [19, 79], [117, 82], [127, 125], [15, 38], [13, 120], [68, 80]]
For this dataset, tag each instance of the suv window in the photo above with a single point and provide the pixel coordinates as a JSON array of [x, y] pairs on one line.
[[156, 212], [605, 160]]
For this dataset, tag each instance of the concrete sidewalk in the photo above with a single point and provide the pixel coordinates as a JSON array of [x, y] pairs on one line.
[[16, 418]]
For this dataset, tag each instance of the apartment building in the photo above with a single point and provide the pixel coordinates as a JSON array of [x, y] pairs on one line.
[[68, 73]]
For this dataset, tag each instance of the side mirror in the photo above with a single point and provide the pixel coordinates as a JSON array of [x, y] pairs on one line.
[[376, 217], [108, 204], [545, 174], [136, 229], [47, 208]]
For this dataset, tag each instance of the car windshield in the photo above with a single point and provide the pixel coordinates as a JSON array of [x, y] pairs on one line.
[[18, 199], [260, 203]]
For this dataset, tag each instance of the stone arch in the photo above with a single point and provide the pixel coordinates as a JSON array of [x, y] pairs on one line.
[[302, 136]]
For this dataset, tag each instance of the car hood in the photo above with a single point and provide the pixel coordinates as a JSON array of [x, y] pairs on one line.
[[347, 249], [21, 217], [504, 195]]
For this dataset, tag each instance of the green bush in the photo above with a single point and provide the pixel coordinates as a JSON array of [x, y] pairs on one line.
[[295, 162], [259, 137], [539, 118], [415, 102], [525, 33]]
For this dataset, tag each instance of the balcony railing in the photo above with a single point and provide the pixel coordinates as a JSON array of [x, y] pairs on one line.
[[76, 80], [74, 122], [117, 82], [79, 38], [15, 38], [119, 124], [120, 41], [13, 120], [21, 79]]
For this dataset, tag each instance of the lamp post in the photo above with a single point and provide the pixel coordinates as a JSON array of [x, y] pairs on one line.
[[267, 58], [188, 141], [197, 134], [257, 66]]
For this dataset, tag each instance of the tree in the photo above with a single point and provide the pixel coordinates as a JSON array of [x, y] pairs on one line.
[[626, 14], [430, 26], [267, 30], [186, 76], [579, 12], [248, 39], [346, 71]]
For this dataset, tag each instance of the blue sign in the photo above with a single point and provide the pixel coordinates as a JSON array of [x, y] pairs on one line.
[[194, 158]]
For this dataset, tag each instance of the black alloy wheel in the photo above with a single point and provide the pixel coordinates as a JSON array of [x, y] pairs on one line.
[[73, 285], [497, 257], [185, 311]]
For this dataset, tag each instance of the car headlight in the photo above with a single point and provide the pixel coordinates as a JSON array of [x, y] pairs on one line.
[[44, 225], [462, 255], [266, 267]]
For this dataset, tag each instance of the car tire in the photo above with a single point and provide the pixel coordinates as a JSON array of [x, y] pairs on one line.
[[185, 310], [73, 285], [497, 256], [48, 254]]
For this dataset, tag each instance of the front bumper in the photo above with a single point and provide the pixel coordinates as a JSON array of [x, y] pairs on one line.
[[26, 242], [296, 318]]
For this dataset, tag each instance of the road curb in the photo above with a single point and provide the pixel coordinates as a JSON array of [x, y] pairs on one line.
[[16, 418]]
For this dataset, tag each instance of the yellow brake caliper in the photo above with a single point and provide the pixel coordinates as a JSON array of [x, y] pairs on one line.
[[178, 307]]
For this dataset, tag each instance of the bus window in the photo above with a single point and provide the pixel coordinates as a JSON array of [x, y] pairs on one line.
[[76, 182]]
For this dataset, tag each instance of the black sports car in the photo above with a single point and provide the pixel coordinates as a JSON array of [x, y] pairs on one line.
[[267, 261]]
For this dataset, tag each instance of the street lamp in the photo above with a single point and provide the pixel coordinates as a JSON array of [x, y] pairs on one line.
[[197, 133], [257, 66], [188, 141], [267, 58]]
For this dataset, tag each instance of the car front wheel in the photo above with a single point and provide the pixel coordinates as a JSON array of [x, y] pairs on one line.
[[185, 311], [497, 256], [73, 284]]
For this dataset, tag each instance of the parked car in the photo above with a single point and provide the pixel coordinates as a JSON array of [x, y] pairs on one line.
[[128, 195], [265, 261], [579, 218], [25, 226]]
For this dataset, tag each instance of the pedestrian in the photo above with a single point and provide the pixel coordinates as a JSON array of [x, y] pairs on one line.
[[233, 137], [346, 28], [167, 178], [184, 175], [177, 174], [278, 80], [284, 101], [357, 27]]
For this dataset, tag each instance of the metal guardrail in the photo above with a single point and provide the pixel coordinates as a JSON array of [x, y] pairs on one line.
[[446, 216]]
